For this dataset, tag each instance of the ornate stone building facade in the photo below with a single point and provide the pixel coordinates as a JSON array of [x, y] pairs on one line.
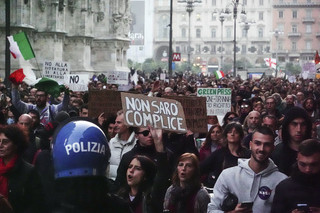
[[92, 35], [252, 32]]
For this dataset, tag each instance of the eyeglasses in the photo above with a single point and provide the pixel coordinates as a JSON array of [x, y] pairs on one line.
[[231, 118], [244, 106], [144, 133]]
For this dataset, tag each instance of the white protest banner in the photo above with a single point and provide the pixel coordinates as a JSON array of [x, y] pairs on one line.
[[141, 111], [218, 100], [56, 70], [78, 82], [116, 77]]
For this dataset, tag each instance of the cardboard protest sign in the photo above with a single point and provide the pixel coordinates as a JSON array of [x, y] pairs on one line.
[[141, 111], [195, 109], [56, 70], [107, 101], [218, 100], [78, 82]]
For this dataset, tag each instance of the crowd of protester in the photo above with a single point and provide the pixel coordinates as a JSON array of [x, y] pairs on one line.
[[263, 156]]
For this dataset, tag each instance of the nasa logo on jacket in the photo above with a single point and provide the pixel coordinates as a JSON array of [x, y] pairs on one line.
[[264, 192]]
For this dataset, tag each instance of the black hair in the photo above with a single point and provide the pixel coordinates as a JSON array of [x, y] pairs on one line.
[[264, 130], [293, 113], [309, 147], [18, 136]]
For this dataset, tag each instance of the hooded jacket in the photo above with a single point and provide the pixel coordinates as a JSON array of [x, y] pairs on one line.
[[283, 156], [248, 186]]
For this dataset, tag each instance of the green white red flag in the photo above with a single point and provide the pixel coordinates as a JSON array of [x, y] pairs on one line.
[[20, 46], [219, 74]]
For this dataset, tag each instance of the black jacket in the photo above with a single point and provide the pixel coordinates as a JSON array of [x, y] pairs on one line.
[[25, 189], [284, 157], [218, 161], [149, 151], [298, 189]]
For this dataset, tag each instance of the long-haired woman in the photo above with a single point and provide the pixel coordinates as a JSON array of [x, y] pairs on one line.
[[227, 156], [186, 193], [212, 143], [146, 184]]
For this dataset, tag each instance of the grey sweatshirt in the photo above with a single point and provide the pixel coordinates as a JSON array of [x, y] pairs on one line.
[[247, 186]]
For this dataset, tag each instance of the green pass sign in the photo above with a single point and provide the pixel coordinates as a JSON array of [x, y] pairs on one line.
[[218, 100]]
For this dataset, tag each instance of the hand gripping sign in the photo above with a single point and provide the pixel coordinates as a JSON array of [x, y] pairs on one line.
[[141, 111]]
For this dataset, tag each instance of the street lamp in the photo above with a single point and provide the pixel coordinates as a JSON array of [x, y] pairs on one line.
[[189, 9], [235, 4], [246, 27], [277, 33], [221, 18]]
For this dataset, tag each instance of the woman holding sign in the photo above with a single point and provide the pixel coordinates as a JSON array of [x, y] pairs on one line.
[[227, 156]]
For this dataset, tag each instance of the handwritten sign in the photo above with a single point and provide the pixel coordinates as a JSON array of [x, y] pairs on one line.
[[78, 82], [218, 100], [141, 111], [195, 110], [107, 101], [56, 70], [116, 77]]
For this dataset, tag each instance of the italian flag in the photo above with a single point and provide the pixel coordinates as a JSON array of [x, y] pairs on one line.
[[20, 46], [23, 75], [219, 74], [44, 84]]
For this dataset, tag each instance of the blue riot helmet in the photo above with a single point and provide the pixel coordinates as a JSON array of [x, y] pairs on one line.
[[80, 149]]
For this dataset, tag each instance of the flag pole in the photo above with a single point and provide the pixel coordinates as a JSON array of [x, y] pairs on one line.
[[7, 51], [38, 66]]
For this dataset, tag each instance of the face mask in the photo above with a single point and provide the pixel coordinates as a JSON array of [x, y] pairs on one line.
[[10, 121]]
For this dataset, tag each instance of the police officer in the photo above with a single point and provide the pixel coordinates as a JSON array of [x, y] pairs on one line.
[[80, 157]]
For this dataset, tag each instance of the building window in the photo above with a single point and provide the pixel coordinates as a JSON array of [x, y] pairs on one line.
[[261, 16], [308, 13], [213, 17], [213, 48], [198, 17], [163, 29], [281, 1], [309, 1], [244, 33], [183, 49], [294, 45], [281, 14], [294, 28], [261, 2], [245, 2], [198, 33], [260, 49], [280, 45], [244, 49], [229, 31], [308, 28], [260, 33], [295, 14], [280, 27], [214, 2], [213, 33], [198, 48], [308, 45], [177, 49], [183, 33], [295, 1], [183, 17]]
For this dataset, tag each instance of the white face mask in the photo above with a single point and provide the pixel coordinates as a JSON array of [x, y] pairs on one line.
[[10, 121]]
